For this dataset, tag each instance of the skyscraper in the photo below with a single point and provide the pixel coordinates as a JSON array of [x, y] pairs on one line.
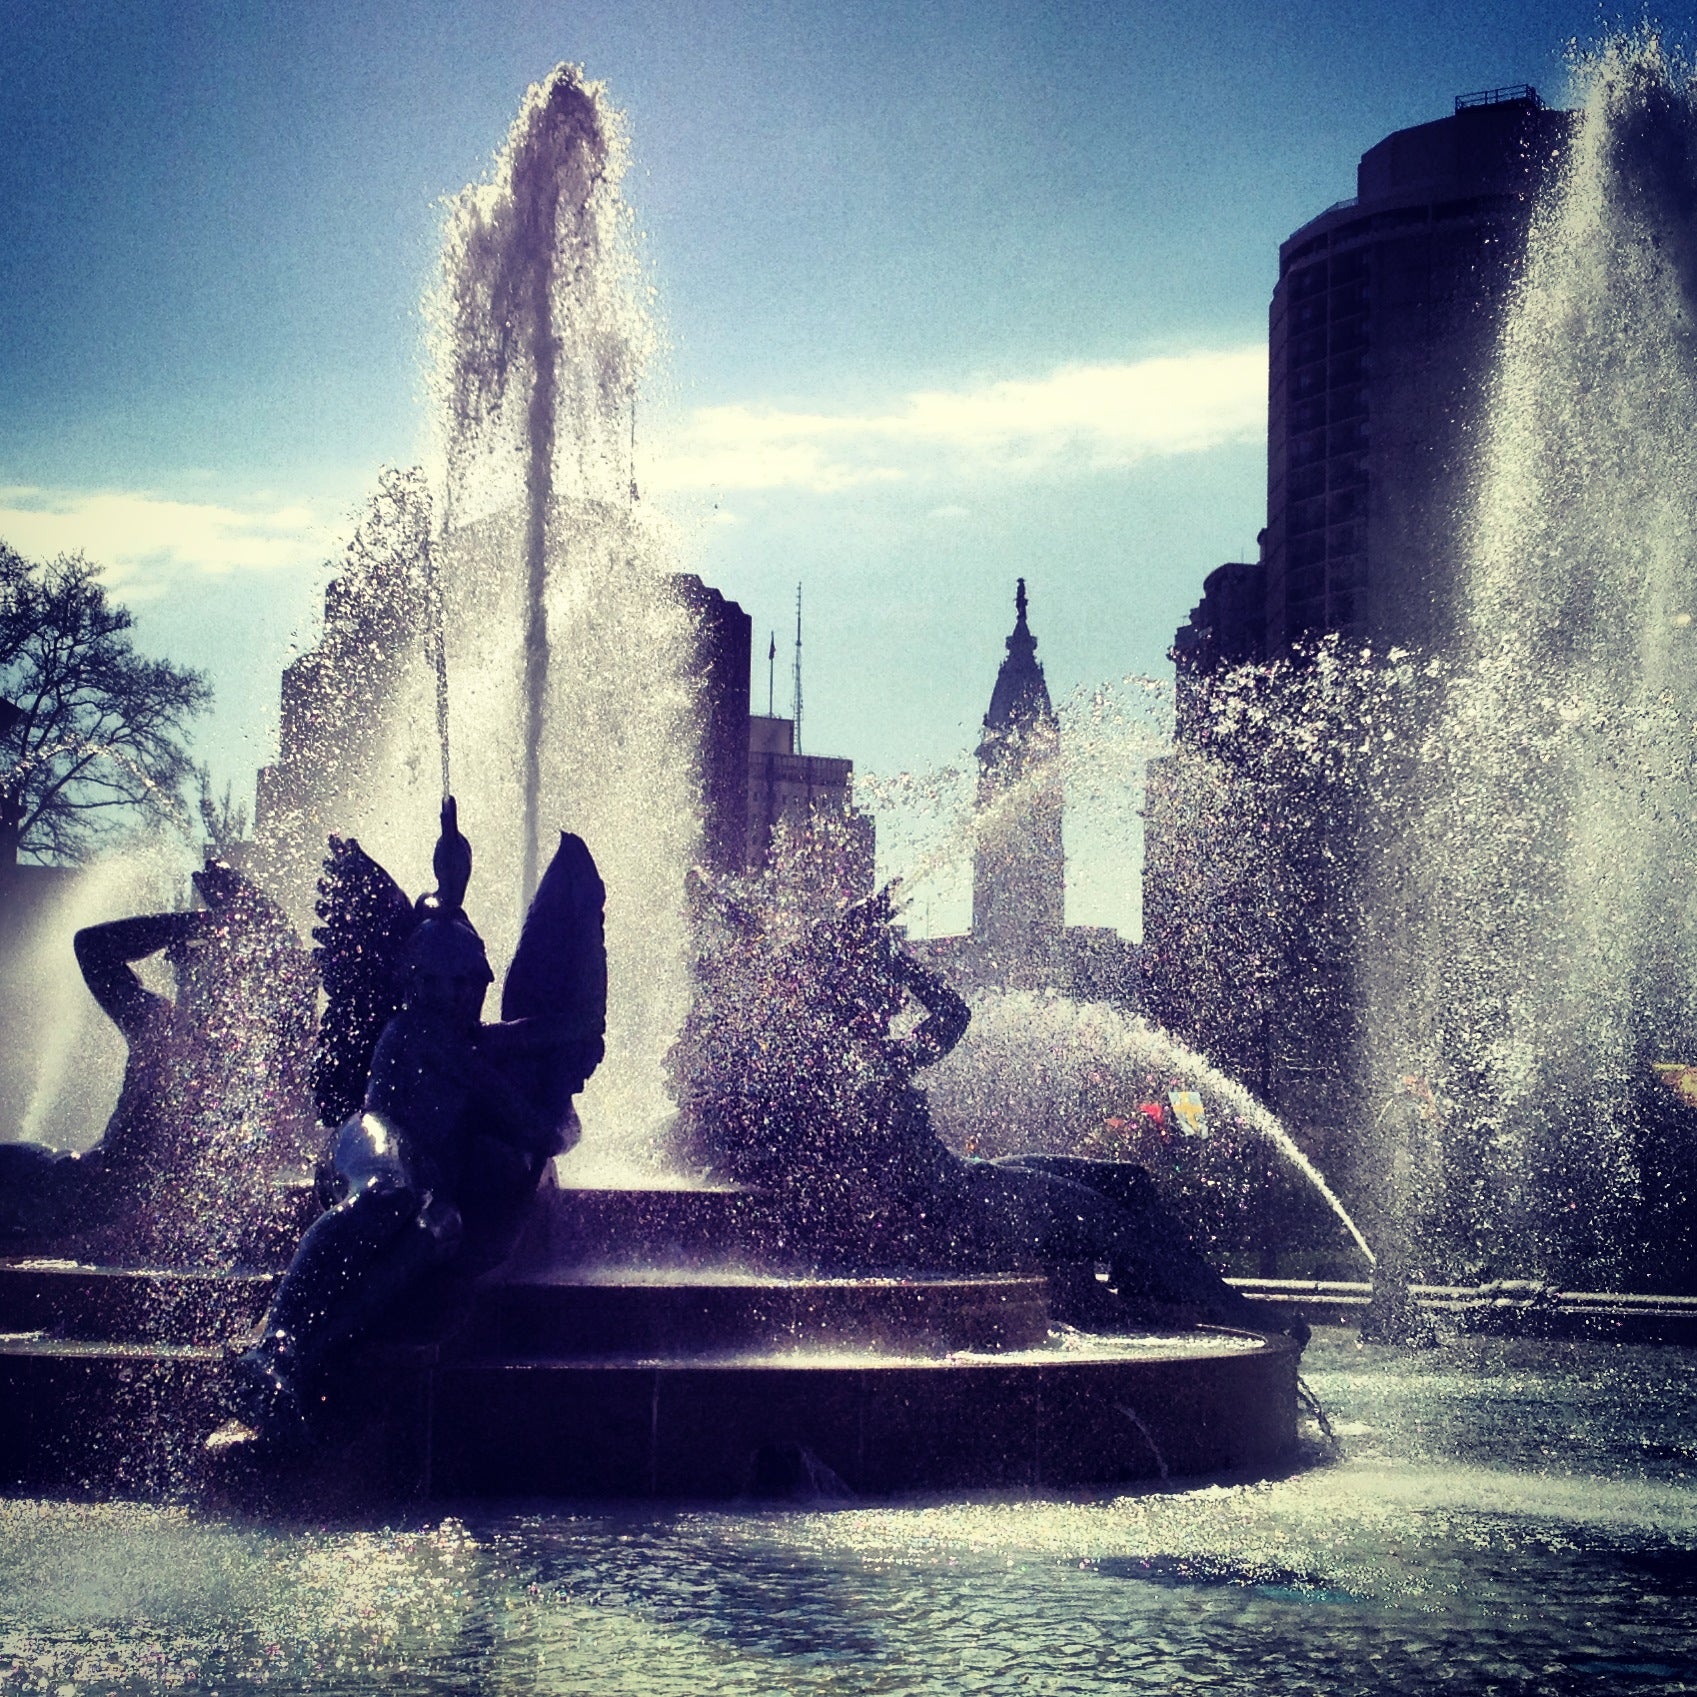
[[1381, 337], [1018, 862], [1020, 939]]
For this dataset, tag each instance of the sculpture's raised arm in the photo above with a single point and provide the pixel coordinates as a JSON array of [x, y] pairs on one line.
[[105, 954], [946, 1012]]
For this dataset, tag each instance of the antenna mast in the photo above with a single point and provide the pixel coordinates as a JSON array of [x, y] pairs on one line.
[[796, 734]]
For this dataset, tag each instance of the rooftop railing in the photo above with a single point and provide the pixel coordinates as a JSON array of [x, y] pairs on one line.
[[1509, 95]]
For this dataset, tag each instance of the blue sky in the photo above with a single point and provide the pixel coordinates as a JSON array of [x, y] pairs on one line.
[[950, 294]]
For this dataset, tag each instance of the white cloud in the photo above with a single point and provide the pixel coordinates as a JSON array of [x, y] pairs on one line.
[[1080, 418], [143, 540]]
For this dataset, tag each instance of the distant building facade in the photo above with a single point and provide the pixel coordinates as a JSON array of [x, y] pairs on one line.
[[1226, 628], [720, 665], [1018, 858], [801, 815], [1019, 938], [332, 696], [753, 786]]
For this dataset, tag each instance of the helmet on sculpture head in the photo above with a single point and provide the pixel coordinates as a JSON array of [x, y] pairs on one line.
[[445, 965], [446, 942]]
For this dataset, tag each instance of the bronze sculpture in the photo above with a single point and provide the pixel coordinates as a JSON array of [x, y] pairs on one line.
[[434, 1168], [792, 1077]]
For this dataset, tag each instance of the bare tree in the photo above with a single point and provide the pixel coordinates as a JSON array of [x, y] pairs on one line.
[[93, 732], [223, 819]]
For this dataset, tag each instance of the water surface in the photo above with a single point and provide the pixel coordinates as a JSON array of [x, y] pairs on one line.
[[1502, 1517]]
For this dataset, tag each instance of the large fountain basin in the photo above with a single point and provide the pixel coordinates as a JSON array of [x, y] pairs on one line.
[[701, 1379], [1112, 1410]]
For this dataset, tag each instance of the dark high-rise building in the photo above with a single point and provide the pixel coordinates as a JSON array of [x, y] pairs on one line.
[[1382, 333], [719, 665], [1382, 340]]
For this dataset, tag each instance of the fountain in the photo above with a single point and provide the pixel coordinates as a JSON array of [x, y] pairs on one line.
[[1493, 837], [1507, 1515], [514, 632]]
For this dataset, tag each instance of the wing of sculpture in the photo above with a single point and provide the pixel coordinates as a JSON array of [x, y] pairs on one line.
[[557, 982], [367, 920]]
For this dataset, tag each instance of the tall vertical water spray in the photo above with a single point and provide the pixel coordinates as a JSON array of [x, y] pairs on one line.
[[512, 631], [566, 653], [1544, 887]]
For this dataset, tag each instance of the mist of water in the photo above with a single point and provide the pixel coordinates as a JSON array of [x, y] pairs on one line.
[[1548, 869]]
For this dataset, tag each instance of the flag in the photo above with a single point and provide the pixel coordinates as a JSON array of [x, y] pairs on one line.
[[1187, 1106], [1680, 1078]]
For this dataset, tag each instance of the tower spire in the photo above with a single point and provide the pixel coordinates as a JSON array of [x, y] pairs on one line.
[[1021, 695], [1018, 860]]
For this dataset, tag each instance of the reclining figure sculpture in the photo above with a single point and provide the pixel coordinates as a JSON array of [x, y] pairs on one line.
[[443, 1125], [214, 1095], [791, 1077]]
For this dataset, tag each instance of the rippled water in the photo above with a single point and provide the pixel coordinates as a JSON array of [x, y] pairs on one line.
[[1503, 1518]]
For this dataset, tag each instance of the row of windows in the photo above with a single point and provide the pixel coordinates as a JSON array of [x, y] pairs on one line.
[[1327, 370], [1312, 582], [1314, 345], [1311, 412], [1397, 218], [1342, 301], [1341, 371], [1316, 279], [1347, 471], [1319, 613], [1342, 547], [1327, 366], [1342, 506], [1349, 437]]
